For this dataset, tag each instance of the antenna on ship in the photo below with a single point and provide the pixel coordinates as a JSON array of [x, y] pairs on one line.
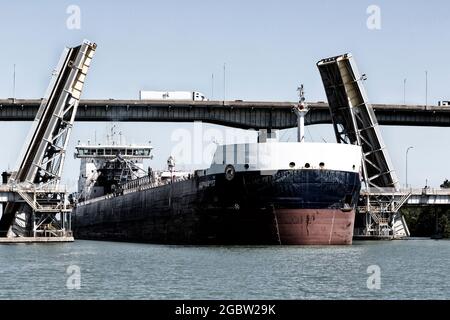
[[301, 109], [113, 133], [171, 167], [110, 138]]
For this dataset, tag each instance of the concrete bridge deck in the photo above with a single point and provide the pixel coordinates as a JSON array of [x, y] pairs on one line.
[[238, 114]]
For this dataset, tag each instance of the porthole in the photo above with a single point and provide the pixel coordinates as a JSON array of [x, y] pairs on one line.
[[307, 165], [292, 164], [229, 172], [321, 164], [246, 166]]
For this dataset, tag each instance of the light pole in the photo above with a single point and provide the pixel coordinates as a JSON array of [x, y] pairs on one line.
[[407, 151], [426, 89], [404, 91], [224, 81], [14, 82], [212, 86]]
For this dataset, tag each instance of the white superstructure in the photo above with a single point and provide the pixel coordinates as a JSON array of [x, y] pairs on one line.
[[98, 158], [273, 156]]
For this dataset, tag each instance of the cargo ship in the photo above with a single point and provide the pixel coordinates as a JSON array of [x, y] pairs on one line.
[[261, 193], [293, 193]]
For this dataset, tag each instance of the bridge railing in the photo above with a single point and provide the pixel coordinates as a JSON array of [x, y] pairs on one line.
[[403, 191], [32, 188]]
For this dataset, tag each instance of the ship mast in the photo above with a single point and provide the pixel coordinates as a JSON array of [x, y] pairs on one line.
[[301, 110]]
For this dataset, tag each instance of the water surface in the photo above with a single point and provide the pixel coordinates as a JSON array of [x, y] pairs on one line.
[[412, 269]]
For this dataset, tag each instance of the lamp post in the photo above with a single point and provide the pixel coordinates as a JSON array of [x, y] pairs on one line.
[[407, 151], [224, 81], [404, 91], [426, 89]]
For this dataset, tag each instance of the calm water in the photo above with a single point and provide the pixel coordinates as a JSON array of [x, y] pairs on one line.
[[413, 269]]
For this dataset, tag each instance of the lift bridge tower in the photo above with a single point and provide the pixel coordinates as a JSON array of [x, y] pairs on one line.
[[354, 122], [38, 207]]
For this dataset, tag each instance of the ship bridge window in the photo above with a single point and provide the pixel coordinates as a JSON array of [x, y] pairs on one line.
[[140, 152], [108, 152], [129, 152], [122, 151], [100, 152], [147, 152]]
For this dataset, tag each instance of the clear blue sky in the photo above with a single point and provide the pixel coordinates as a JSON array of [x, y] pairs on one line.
[[269, 48]]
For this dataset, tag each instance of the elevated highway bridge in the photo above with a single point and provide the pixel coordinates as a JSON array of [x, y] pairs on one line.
[[238, 114]]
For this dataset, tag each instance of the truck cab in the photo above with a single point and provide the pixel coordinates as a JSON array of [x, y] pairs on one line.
[[198, 96]]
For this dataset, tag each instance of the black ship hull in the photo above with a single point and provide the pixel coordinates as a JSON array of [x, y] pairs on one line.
[[288, 207]]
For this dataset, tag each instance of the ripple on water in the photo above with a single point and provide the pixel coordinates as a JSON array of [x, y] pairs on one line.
[[415, 269]]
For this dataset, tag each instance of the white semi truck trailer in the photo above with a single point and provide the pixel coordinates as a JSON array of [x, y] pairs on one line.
[[172, 95]]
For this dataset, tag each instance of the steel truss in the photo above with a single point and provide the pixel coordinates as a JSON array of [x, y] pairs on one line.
[[354, 122], [43, 211]]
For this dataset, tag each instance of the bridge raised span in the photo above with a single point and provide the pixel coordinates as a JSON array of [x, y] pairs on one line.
[[42, 211], [238, 114]]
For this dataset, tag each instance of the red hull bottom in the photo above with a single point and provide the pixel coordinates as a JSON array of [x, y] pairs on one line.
[[315, 226]]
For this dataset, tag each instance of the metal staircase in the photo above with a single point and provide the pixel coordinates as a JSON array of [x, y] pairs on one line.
[[29, 200], [42, 210], [400, 202], [354, 122]]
